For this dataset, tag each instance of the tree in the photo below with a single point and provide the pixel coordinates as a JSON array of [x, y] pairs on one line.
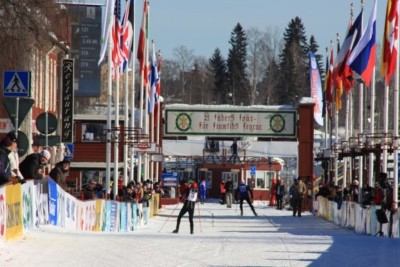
[[218, 70], [28, 25], [184, 60], [294, 78], [236, 64], [257, 58]]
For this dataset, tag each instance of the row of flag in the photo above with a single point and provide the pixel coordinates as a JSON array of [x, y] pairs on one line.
[[117, 34], [358, 54]]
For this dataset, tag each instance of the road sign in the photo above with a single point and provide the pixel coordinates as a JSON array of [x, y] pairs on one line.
[[16, 83], [252, 170], [25, 105], [68, 151]]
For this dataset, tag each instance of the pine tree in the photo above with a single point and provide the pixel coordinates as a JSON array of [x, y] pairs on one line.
[[238, 84], [218, 68], [294, 78]]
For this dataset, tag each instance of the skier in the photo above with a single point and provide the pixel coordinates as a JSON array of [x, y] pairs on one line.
[[245, 193], [189, 198]]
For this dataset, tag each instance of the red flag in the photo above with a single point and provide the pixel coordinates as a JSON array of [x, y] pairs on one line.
[[143, 41], [116, 36], [390, 41]]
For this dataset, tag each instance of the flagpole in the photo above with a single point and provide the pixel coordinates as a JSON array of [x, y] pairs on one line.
[[132, 99], [336, 128], [126, 124], [396, 123], [326, 104], [360, 126], [361, 118], [372, 127], [109, 97]]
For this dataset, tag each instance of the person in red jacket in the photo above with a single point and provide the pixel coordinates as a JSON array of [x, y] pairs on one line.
[[272, 193], [189, 198]]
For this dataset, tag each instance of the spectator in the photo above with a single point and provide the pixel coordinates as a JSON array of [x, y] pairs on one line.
[[13, 157], [378, 194], [245, 193], [147, 194], [366, 195], [32, 167], [291, 194], [60, 172], [203, 190], [272, 199], [323, 191], [354, 190], [5, 166], [229, 192], [280, 191], [89, 190], [222, 191], [299, 193]]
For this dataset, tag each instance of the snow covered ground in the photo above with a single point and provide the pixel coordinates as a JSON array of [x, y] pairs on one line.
[[221, 238]]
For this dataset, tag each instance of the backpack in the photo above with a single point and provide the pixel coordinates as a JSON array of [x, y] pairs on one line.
[[5, 168]]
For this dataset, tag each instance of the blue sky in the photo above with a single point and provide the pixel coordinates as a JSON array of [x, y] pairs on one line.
[[203, 25]]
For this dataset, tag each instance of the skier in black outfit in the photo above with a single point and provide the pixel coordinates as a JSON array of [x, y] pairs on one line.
[[245, 193], [189, 198]]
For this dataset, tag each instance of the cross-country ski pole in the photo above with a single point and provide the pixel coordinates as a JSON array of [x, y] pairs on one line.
[[168, 217]]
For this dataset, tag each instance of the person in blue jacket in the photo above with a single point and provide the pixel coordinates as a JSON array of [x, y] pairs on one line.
[[244, 192], [203, 190]]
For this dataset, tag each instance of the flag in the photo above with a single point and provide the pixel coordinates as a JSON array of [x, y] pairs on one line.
[[158, 91], [116, 57], [390, 41], [362, 58], [341, 69], [338, 86], [105, 33], [316, 89], [153, 81], [127, 34], [329, 80], [143, 40]]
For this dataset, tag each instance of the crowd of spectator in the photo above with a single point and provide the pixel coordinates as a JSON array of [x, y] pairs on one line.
[[380, 194]]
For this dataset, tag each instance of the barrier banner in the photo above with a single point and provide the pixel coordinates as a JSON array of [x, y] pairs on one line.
[[41, 200], [27, 205], [14, 225], [106, 223], [3, 214], [70, 212], [90, 215], [53, 202], [123, 217], [99, 213], [114, 216]]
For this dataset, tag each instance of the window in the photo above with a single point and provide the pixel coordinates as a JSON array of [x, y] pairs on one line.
[[93, 132], [262, 179]]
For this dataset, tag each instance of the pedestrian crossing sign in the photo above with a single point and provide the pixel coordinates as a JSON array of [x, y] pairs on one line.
[[16, 84]]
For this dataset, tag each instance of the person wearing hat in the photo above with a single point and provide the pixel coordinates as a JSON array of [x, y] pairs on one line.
[[189, 198], [32, 166], [10, 142], [60, 172], [5, 167]]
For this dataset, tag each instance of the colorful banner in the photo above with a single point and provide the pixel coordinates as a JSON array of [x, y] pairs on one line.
[[14, 225], [53, 205], [27, 205], [3, 213]]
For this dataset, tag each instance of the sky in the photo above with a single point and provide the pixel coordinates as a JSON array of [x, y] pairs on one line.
[[204, 25]]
